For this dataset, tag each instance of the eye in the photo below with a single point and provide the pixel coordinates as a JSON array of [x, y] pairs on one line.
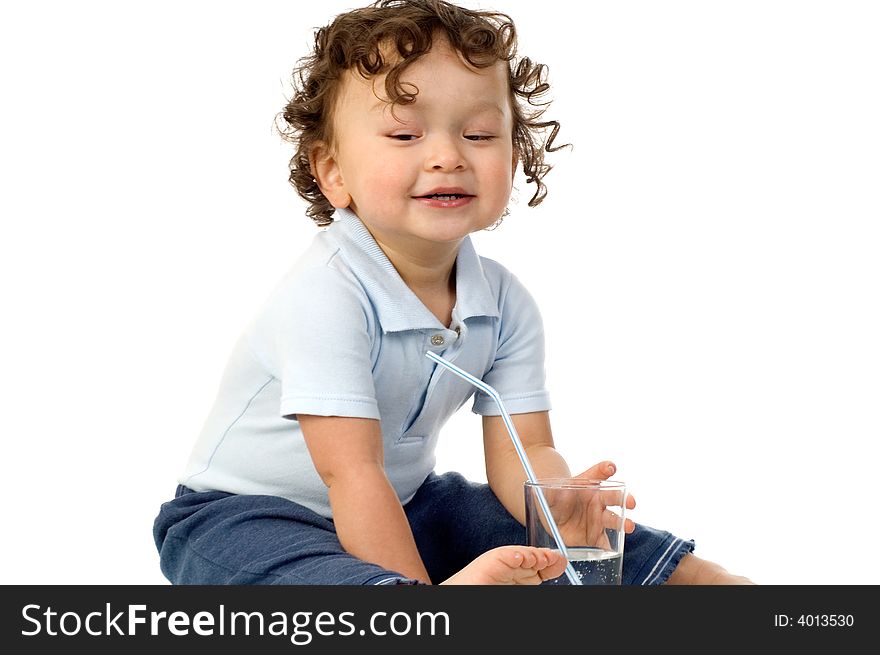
[[478, 137], [403, 137]]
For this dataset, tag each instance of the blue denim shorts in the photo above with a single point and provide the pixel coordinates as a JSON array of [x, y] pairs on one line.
[[213, 537]]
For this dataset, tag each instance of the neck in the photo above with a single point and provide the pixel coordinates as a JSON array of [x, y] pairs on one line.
[[428, 269]]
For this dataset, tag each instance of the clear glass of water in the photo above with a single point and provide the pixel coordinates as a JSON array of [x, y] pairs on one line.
[[590, 517]]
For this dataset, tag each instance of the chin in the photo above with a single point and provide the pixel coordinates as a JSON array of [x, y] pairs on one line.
[[449, 230]]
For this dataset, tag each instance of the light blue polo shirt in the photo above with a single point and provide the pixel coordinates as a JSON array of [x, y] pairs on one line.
[[342, 335]]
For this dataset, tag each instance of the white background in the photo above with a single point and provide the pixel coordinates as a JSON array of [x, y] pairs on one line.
[[706, 263]]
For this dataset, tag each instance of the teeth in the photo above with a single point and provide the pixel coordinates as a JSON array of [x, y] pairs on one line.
[[444, 197]]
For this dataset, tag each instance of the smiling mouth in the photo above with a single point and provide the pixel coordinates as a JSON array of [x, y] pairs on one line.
[[447, 196]]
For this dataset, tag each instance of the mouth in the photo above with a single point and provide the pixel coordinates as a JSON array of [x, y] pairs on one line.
[[446, 197], [445, 201], [445, 194]]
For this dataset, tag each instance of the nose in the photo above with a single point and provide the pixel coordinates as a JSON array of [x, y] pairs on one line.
[[444, 154]]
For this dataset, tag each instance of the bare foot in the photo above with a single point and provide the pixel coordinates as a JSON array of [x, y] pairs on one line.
[[511, 565]]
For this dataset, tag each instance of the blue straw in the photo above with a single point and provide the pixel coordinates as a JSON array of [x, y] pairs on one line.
[[530, 473]]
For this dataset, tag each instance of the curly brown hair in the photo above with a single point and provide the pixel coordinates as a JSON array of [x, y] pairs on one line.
[[362, 40]]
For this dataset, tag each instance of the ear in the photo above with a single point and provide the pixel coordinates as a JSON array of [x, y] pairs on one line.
[[326, 171]]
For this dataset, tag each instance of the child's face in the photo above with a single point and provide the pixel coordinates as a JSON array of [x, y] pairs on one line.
[[454, 141]]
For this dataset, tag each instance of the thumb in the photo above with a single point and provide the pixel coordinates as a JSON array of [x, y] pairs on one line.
[[600, 471]]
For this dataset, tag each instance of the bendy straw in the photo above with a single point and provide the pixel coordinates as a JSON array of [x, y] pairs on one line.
[[517, 444]]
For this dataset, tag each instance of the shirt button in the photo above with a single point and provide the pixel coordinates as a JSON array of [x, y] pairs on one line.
[[437, 340]]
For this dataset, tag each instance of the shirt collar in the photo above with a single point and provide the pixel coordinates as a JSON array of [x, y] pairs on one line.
[[397, 306]]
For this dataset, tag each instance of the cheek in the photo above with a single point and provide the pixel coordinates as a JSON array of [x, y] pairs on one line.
[[501, 171], [367, 169], [500, 160], [381, 185], [384, 174]]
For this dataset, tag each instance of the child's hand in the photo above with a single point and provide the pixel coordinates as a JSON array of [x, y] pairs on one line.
[[603, 471], [583, 518]]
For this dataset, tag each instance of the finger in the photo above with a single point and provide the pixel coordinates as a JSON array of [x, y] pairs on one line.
[[615, 498], [546, 557], [595, 520], [530, 557], [554, 569], [600, 471], [611, 520], [516, 557], [552, 555]]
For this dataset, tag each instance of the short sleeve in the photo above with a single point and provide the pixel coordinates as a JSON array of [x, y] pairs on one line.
[[517, 372], [320, 334]]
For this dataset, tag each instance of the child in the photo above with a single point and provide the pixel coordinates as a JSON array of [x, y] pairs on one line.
[[410, 118]]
